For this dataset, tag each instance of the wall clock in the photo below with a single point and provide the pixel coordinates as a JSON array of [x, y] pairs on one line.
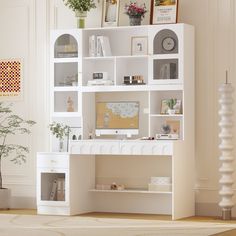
[[168, 44]]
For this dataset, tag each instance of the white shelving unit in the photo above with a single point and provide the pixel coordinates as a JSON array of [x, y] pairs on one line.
[[130, 162]]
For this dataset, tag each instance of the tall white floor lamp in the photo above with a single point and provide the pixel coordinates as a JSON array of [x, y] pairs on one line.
[[226, 147]]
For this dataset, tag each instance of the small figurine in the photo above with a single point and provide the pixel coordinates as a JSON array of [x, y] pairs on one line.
[[114, 186], [166, 129], [70, 105], [90, 135]]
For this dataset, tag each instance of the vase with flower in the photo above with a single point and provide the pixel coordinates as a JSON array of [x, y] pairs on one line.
[[135, 12], [80, 7], [60, 131]]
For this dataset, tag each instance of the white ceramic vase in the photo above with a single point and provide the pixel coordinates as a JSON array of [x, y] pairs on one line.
[[81, 19]]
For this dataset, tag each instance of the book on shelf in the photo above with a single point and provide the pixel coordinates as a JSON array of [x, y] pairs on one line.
[[103, 46], [92, 46], [60, 189], [53, 190]]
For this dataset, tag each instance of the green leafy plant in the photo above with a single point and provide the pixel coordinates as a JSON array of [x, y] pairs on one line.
[[11, 125], [80, 5], [59, 130], [171, 103]]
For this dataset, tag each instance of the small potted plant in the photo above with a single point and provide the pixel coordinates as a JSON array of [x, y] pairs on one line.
[[11, 125], [135, 12], [60, 131], [80, 7], [171, 103]]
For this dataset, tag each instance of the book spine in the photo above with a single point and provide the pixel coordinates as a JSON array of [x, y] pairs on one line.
[[99, 46], [61, 189], [53, 191], [106, 49], [92, 46]]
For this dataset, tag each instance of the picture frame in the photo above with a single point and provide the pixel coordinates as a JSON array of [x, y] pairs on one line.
[[110, 16], [11, 71], [166, 109], [139, 45], [174, 126], [164, 11]]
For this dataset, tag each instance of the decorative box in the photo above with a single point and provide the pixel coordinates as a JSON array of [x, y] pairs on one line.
[[161, 180]]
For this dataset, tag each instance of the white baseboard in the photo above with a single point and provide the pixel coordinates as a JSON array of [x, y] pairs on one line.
[[210, 209], [23, 202], [202, 209]]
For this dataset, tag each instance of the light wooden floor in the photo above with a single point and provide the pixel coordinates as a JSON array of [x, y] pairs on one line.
[[137, 216], [127, 216]]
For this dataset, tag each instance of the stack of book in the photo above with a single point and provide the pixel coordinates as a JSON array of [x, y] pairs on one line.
[[99, 46]]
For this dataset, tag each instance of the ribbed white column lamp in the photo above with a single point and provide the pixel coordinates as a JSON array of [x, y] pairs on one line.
[[226, 148]]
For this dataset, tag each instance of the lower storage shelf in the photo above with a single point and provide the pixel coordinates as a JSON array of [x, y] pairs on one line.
[[129, 191]]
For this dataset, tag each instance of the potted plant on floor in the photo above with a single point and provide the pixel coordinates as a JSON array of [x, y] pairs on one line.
[[11, 125], [80, 7]]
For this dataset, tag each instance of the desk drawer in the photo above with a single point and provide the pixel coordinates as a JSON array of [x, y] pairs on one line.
[[53, 160]]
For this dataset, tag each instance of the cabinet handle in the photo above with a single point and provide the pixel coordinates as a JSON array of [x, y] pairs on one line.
[[53, 161], [52, 170]]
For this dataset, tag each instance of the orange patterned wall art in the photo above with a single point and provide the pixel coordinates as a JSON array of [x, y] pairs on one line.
[[11, 79]]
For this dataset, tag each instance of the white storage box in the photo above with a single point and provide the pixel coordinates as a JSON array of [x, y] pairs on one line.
[[160, 187], [160, 180]]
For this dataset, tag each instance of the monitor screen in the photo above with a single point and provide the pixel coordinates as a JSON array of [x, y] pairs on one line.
[[117, 115]]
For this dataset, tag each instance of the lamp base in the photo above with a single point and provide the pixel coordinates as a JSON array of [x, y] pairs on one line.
[[226, 214]]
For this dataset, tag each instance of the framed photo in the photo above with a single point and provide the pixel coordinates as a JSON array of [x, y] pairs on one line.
[[164, 11], [110, 13], [171, 106], [174, 126], [139, 45]]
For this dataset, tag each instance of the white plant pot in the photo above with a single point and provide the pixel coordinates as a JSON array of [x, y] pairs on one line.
[[171, 111], [5, 198]]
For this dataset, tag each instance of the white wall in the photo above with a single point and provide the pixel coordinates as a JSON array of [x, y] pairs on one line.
[[23, 35], [215, 22]]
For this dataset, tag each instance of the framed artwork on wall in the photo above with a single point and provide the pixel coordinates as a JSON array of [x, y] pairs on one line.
[[110, 13], [11, 79], [139, 45], [164, 11]]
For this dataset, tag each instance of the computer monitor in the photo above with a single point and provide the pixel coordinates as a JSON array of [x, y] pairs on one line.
[[117, 118]]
